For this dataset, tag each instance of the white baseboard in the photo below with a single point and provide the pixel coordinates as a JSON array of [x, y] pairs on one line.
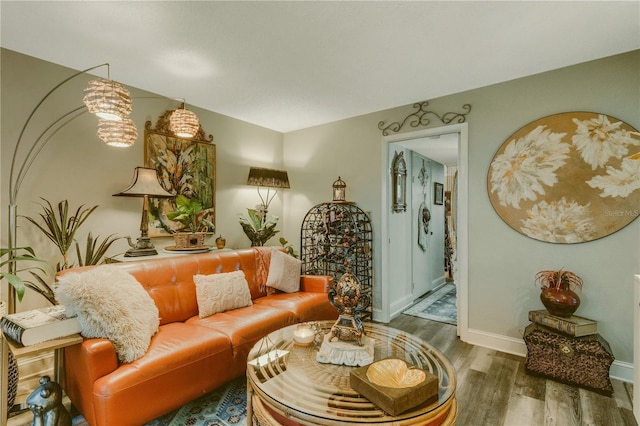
[[399, 306], [619, 370]]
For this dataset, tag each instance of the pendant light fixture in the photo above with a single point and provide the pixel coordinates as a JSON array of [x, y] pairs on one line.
[[107, 99], [121, 133], [184, 123]]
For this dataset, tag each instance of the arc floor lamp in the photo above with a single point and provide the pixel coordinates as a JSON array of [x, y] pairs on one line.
[[107, 99]]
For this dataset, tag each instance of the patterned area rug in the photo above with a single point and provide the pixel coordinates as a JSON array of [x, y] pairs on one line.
[[225, 406], [438, 306]]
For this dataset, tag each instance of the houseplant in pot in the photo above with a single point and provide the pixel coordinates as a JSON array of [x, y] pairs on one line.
[[192, 216], [558, 291]]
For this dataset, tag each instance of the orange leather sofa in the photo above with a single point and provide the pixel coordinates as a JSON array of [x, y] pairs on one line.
[[188, 356]]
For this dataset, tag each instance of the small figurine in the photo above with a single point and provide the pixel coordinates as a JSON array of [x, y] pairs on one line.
[[46, 405], [349, 300]]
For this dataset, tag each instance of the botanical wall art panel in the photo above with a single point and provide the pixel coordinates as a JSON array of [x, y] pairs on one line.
[[568, 178], [184, 166]]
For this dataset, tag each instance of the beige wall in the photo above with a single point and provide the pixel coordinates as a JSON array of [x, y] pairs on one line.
[[502, 262], [75, 165]]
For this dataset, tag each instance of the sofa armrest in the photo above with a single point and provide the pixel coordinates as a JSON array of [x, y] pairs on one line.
[[316, 283], [90, 360]]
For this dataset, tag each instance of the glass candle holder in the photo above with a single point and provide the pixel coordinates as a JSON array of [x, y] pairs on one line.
[[303, 335]]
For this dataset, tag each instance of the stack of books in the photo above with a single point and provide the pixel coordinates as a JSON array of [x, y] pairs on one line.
[[31, 327], [573, 326]]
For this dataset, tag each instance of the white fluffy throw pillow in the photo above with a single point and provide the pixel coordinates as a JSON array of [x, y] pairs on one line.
[[110, 303], [284, 272], [221, 292]]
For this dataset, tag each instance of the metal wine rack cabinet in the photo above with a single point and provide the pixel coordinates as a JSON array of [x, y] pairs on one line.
[[337, 238]]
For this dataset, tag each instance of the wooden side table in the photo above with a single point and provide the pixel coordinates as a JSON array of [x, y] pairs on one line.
[[581, 361], [56, 345]]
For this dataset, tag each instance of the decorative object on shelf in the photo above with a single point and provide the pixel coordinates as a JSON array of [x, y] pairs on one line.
[[557, 293], [46, 404], [567, 178], [339, 191], [337, 238], [184, 123], [191, 215], [399, 179], [420, 117], [193, 250], [220, 242], [267, 178], [185, 166], [347, 297], [145, 184], [438, 193], [304, 335]]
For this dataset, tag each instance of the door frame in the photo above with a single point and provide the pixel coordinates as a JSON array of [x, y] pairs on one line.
[[462, 227]]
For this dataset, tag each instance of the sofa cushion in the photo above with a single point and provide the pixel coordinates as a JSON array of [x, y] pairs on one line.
[[306, 306], [221, 292], [284, 272], [245, 326], [111, 304]]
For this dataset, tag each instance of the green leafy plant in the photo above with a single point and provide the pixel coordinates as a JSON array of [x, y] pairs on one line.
[[190, 214], [95, 250], [21, 254], [288, 248], [258, 227], [61, 228], [558, 279]]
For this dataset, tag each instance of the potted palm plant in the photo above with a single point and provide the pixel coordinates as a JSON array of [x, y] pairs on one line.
[[558, 293], [192, 216]]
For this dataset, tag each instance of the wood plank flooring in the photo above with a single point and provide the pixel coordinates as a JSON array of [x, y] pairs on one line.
[[494, 390]]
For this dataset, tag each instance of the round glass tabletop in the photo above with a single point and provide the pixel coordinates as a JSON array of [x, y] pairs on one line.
[[288, 379]]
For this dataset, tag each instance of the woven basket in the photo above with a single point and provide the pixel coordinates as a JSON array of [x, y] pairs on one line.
[[189, 240]]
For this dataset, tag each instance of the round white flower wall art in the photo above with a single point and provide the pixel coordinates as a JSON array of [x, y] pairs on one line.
[[568, 178]]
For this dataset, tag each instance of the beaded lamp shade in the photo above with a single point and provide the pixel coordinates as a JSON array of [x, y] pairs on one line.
[[107, 99], [117, 133]]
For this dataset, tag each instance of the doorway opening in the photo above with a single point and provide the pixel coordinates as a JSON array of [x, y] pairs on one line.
[[399, 233]]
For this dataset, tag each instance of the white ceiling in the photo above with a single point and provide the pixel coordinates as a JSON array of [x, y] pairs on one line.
[[292, 65]]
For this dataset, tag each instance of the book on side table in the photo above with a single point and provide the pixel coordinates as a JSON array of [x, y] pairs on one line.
[[39, 325], [573, 326]]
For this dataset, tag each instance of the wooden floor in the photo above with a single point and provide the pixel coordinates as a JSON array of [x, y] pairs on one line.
[[493, 388]]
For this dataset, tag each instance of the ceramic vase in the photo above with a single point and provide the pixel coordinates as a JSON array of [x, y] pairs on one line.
[[560, 302]]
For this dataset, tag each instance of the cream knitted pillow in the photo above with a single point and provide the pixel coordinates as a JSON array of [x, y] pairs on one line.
[[284, 272], [111, 304], [221, 292]]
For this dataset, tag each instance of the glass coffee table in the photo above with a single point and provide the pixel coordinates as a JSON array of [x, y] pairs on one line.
[[287, 386]]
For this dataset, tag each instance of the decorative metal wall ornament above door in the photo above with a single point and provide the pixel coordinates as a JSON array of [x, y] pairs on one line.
[[421, 117]]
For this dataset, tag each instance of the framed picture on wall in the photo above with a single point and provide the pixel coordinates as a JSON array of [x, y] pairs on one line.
[[185, 167], [438, 193]]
